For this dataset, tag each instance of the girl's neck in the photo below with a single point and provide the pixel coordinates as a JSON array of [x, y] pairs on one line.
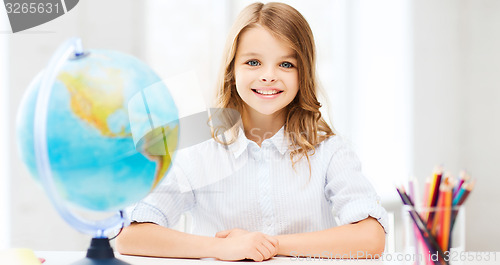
[[258, 126]]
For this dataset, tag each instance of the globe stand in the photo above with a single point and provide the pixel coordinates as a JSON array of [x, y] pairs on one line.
[[100, 253]]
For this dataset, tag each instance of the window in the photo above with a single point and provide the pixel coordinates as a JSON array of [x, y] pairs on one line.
[[186, 48], [380, 86], [4, 133]]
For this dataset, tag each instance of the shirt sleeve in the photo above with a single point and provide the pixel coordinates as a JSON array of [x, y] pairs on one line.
[[352, 196], [165, 204]]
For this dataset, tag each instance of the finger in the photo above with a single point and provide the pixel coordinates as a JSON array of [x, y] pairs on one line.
[[257, 255], [265, 251], [272, 249], [223, 234], [273, 241]]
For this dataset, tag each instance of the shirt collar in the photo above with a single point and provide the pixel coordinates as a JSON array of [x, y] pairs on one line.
[[242, 142], [280, 141]]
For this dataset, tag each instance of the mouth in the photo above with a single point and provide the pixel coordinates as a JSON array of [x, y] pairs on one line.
[[267, 92]]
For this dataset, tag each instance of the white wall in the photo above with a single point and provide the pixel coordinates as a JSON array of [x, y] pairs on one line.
[[481, 118], [4, 134], [35, 223], [379, 84], [456, 103]]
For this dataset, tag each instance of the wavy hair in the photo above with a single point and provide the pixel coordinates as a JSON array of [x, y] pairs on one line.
[[304, 126]]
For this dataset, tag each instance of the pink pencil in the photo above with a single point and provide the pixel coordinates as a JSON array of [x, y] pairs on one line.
[[411, 188], [464, 177], [422, 243], [425, 203]]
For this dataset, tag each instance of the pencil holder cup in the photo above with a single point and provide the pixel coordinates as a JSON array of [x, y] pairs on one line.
[[434, 235]]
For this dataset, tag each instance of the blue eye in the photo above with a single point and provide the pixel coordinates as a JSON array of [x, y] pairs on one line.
[[286, 65], [253, 63]]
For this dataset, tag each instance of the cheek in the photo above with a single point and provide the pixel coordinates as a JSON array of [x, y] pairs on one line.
[[239, 91], [293, 94], [241, 80], [293, 84], [238, 84]]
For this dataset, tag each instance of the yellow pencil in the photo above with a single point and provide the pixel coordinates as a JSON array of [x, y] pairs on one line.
[[430, 195]]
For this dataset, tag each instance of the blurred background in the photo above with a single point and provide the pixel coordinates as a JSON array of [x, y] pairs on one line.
[[413, 84]]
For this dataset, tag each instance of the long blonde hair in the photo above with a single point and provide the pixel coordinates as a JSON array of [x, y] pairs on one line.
[[304, 126]]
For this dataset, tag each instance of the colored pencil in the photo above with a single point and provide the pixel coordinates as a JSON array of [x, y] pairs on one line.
[[441, 208], [435, 228], [458, 200], [411, 189], [430, 193], [468, 187], [435, 194], [446, 218], [421, 240], [453, 184], [425, 203], [426, 235], [464, 177]]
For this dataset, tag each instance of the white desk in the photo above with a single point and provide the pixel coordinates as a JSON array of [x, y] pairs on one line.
[[68, 257]]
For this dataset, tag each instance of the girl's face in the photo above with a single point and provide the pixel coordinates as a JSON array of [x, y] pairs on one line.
[[265, 72]]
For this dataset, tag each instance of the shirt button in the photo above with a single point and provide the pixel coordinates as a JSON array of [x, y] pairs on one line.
[[254, 149], [268, 222]]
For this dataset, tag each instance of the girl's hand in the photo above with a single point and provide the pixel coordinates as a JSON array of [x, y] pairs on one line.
[[238, 244]]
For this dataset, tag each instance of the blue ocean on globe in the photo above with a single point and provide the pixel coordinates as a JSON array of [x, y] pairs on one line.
[[111, 129]]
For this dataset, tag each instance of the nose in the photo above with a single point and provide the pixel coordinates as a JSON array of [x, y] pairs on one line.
[[268, 79], [268, 75]]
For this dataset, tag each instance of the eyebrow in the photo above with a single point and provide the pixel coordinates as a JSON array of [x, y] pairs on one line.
[[251, 54]]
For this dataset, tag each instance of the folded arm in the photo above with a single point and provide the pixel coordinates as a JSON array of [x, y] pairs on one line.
[[364, 239], [148, 239]]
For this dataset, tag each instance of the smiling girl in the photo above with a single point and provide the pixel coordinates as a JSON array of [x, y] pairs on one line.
[[299, 191]]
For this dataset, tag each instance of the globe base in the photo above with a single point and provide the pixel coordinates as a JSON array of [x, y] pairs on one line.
[[100, 253], [112, 261]]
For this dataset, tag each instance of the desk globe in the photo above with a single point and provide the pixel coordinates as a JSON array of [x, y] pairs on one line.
[[97, 129]]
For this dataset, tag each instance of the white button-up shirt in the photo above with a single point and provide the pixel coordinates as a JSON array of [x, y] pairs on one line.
[[257, 189]]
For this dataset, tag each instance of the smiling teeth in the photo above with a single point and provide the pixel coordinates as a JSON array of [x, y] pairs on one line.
[[267, 92]]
